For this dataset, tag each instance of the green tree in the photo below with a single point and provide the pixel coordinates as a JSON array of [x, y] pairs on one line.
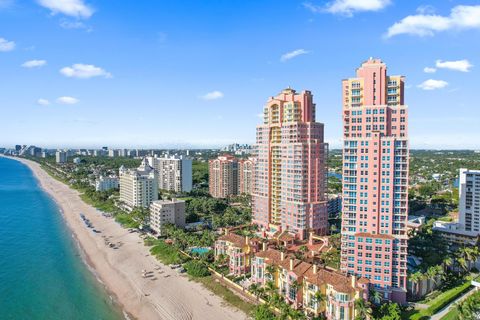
[[263, 312], [363, 311]]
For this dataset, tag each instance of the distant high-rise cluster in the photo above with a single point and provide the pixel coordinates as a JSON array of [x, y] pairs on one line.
[[138, 187], [229, 176], [375, 179], [290, 171]]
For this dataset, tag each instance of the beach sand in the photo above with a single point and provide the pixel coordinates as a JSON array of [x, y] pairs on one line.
[[170, 296]]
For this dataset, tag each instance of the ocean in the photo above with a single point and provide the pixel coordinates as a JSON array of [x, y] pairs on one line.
[[42, 274]]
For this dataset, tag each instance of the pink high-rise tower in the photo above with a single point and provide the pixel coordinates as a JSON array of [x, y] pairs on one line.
[[290, 170], [375, 179]]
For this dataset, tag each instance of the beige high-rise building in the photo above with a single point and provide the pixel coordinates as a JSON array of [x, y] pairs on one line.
[[163, 212], [138, 187], [246, 175], [174, 173], [223, 178]]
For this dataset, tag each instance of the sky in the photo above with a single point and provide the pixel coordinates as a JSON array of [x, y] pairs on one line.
[[197, 73]]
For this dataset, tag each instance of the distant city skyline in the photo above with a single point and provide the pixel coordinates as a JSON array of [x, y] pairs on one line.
[[191, 74]]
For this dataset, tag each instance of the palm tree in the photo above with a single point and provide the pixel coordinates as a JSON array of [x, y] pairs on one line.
[[415, 278], [430, 275], [362, 309], [447, 262], [270, 288], [285, 311], [375, 296], [317, 299], [462, 262], [270, 270]]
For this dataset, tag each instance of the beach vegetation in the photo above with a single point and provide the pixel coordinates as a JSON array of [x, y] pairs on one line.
[[167, 254], [196, 268]]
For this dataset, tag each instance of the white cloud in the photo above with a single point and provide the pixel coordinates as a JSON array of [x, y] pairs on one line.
[[432, 84], [34, 63], [67, 100], [429, 70], [73, 8], [458, 65], [75, 24], [6, 45], [292, 54], [84, 71], [43, 102], [348, 7], [214, 95], [460, 18]]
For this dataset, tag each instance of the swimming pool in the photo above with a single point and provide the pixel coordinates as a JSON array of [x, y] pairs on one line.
[[200, 250]]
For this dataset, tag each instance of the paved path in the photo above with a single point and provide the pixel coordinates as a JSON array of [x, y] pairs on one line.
[[442, 313]]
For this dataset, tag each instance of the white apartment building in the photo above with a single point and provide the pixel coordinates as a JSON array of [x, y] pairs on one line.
[[163, 212], [106, 183], [61, 156], [138, 187], [469, 205], [113, 153], [174, 172]]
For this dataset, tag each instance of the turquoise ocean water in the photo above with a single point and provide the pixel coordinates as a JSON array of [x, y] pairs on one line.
[[42, 275]]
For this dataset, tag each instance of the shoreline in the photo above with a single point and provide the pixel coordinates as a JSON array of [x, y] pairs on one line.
[[169, 296]]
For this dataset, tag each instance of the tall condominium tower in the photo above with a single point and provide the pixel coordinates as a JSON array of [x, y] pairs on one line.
[[375, 179], [223, 176], [469, 206], [246, 170], [290, 170], [138, 187], [174, 172]]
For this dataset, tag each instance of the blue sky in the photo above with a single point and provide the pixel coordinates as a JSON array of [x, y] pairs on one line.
[[86, 73]]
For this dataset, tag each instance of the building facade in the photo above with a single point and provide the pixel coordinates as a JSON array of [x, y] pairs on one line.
[[106, 183], [469, 200], [138, 187], [223, 176], [290, 169], [174, 173], [163, 212], [61, 157], [300, 284], [246, 170], [334, 205], [375, 179]]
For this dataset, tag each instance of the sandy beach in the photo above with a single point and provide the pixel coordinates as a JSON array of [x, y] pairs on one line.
[[170, 296]]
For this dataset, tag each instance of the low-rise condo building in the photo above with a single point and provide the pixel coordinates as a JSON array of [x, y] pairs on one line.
[[138, 187], [103, 183], [165, 212], [299, 282], [238, 250]]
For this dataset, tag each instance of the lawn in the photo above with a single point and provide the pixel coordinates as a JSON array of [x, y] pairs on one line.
[[166, 253], [451, 315], [440, 301]]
